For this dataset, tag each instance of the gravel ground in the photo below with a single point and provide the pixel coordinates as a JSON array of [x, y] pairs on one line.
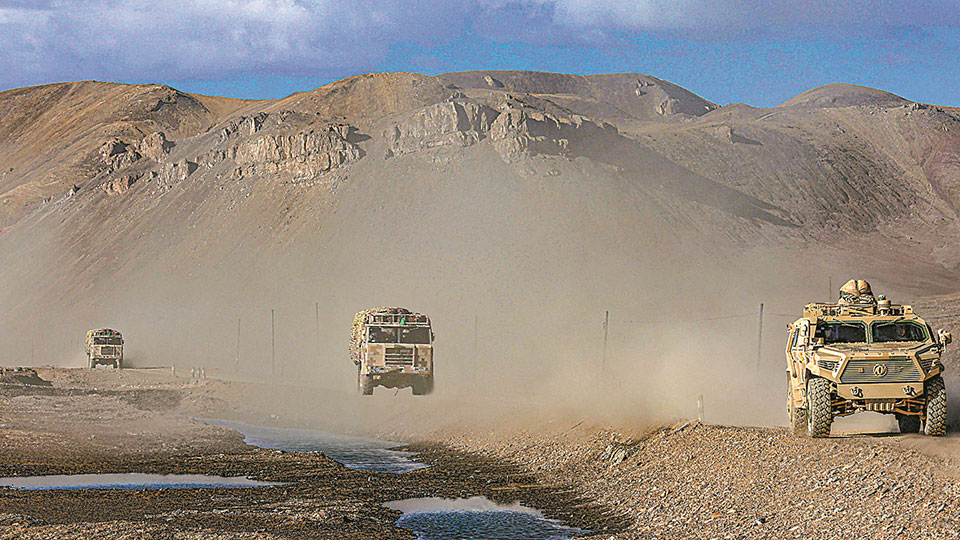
[[102, 422], [696, 481]]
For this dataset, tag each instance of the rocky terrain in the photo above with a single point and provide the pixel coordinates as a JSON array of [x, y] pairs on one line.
[[686, 480]]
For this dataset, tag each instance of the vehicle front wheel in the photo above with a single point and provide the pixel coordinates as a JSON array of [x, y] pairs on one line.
[[936, 422], [819, 408], [909, 423], [422, 388], [366, 386]]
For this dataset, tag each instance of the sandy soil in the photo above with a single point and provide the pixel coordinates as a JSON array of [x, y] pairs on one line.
[[140, 421]]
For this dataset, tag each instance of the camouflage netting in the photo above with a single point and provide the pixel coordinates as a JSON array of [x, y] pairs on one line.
[[356, 331], [856, 291]]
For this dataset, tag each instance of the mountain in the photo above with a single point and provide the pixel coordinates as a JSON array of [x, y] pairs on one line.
[[531, 202]]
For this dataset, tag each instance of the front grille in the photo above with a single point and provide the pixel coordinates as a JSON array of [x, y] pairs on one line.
[[398, 356], [927, 364], [897, 370], [109, 351], [823, 363]]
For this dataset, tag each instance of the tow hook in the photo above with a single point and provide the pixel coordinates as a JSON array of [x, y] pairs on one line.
[[909, 391], [856, 392]]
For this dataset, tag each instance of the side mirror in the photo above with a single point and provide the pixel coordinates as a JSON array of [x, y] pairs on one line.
[[945, 337]]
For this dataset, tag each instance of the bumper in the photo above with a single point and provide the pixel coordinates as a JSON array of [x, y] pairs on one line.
[[397, 377], [880, 390]]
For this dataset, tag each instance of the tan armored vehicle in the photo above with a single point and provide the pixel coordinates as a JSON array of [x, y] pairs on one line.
[[392, 347], [864, 354], [104, 346]]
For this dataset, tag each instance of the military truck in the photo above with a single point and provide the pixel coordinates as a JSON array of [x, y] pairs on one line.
[[392, 347], [865, 354], [104, 346]]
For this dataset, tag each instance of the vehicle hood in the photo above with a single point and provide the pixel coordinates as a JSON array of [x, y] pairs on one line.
[[885, 348]]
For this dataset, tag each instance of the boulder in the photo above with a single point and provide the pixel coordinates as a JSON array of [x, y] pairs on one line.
[[155, 146]]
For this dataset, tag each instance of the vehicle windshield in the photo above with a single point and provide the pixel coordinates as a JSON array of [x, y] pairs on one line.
[[419, 335], [106, 341], [841, 332], [383, 335], [884, 332]]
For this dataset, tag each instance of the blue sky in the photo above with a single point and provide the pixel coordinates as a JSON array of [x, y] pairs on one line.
[[761, 53]]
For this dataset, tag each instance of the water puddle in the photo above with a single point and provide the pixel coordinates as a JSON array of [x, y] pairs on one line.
[[129, 481], [352, 452], [478, 518]]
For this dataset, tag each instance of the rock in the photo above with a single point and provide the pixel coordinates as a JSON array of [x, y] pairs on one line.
[[155, 146], [116, 155], [449, 123], [174, 173], [521, 131], [119, 186], [304, 154], [491, 82]]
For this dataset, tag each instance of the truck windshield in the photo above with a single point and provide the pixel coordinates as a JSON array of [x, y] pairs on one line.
[[383, 335], [415, 335], [840, 332], [897, 331], [106, 341]]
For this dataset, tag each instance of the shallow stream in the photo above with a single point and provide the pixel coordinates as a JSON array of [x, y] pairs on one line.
[[478, 518], [352, 452], [128, 481]]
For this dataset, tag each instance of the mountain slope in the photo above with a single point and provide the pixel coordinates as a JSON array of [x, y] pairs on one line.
[[487, 199]]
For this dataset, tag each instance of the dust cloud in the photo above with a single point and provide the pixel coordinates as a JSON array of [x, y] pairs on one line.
[[516, 271]]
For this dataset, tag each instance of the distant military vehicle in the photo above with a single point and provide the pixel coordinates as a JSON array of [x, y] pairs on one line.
[[864, 354], [392, 347], [104, 346]]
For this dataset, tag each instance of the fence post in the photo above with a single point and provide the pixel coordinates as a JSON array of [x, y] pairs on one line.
[[606, 331], [760, 336], [236, 367], [700, 408], [273, 344]]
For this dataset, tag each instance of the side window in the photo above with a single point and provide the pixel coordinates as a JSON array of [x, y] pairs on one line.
[[796, 336]]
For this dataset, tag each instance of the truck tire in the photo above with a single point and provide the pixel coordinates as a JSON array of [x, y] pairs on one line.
[[365, 385], [909, 423], [796, 417], [424, 387], [936, 423], [819, 408]]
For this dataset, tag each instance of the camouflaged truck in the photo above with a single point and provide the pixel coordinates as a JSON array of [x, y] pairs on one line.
[[876, 356], [392, 347], [104, 346]]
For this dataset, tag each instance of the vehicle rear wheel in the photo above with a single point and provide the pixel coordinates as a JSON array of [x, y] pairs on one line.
[[909, 423], [797, 417], [819, 409], [936, 422]]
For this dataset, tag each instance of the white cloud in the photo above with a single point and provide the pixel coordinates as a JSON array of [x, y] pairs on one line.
[[46, 40]]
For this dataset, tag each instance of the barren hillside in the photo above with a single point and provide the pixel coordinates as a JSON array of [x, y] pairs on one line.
[[515, 207]]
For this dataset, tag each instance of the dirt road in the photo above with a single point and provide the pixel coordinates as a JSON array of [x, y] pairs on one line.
[[683, 481]]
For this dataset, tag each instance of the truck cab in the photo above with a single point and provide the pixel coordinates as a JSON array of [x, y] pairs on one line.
[[393, 348], [104, 346]]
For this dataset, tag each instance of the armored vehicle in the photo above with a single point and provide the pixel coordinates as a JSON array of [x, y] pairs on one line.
[[104, 346], [392, 347], [865, 354]]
